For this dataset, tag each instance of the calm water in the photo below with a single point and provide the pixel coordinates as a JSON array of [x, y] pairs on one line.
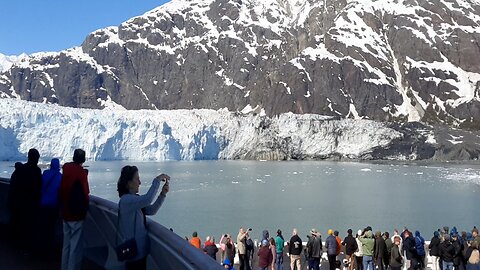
[[216, 197]]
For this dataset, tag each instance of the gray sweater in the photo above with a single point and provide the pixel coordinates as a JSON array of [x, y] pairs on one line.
[[130, 205]]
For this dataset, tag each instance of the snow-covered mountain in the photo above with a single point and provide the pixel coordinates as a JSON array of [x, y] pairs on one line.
[[6, 62], [375, 59], [208, 134]]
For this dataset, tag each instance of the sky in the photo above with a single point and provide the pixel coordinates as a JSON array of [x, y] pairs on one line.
[[28, 26]]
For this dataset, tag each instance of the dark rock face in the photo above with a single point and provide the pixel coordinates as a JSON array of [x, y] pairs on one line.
[[381, 60]]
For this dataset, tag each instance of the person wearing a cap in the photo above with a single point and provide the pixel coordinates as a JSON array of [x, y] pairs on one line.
[[447, 251], [359, 253], [314, 247], [265, 256], [350, 247], [331, 245], [396, 259]]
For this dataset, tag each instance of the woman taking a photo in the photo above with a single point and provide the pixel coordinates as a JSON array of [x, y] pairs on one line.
[[132, 209]]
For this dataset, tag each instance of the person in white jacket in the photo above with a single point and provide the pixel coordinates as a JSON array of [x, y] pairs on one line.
[[359, 253]]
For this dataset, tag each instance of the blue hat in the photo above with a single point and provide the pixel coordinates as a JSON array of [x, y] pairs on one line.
[[436, 234], [264, 242], [469, 236]]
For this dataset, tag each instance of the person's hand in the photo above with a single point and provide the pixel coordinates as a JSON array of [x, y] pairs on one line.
[[163, 177], [165, 188]]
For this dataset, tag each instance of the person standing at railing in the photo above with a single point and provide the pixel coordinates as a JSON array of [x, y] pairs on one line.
[[279, 247], [434, 247], [73, 194], [24, 201], [134, 207], [49, 205]]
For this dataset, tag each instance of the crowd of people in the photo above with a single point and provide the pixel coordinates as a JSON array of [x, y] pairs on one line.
[[37, 201], [367, 250]]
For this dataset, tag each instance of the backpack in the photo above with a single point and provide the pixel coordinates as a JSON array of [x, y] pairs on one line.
[[474, 257], [249, 244], [77, 202]]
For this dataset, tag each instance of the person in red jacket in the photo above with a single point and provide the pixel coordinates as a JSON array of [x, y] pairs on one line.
[[73, 194], [265, 256]]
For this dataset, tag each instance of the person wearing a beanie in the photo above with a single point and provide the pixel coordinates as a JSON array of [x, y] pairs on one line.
[[331, 246]]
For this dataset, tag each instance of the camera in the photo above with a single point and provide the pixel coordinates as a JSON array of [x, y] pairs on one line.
[[249, 229]]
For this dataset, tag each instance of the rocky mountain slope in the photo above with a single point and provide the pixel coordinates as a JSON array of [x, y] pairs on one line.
[[379, 59]]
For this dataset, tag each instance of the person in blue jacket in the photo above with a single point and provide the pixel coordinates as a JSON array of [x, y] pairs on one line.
[[49, 206], [420, 246]]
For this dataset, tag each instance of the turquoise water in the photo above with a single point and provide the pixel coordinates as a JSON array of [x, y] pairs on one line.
[[216, 197]]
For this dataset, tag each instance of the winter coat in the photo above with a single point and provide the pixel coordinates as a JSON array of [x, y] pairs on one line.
[[350, 244], [368, 244], [419, 244], [410, 247], [389, 245], [447, 251], [359, 252], [265, 257], [396, 259], [458, 256], [314, 247], [196, 242], [380, 248], [51, 180], [331, 245], [25, 190], [434, 246], [72, 172], [295, 246], [241, 242], [211, 250]]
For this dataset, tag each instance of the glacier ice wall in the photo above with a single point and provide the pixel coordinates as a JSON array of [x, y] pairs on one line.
[[180, 134]]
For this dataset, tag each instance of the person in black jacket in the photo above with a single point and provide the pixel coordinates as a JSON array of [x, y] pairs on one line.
[[458, 262], [295, 249], [350, 247], [410, 248], [434, 247], [314, 248], [447, 252], [380, 250], [211, 248], [24, 200]]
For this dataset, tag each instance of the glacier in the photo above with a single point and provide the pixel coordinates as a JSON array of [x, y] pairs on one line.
[[199, 134]]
